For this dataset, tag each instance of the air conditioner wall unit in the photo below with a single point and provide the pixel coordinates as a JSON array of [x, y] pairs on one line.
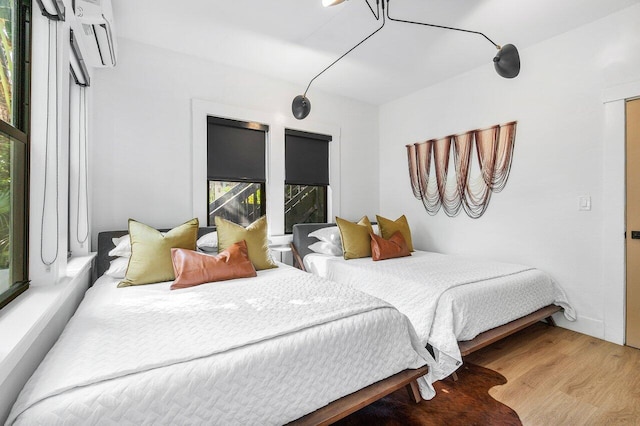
[[97, 33]]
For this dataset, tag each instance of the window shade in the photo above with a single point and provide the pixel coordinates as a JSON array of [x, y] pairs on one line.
[[306, 158], [236, 150]]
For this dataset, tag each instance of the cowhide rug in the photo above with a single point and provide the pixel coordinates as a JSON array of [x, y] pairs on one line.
[[464, 402]]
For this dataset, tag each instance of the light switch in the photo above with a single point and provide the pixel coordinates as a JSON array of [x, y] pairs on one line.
[[584, 203]]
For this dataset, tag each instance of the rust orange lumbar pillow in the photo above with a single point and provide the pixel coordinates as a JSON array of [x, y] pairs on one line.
[[192, 268], [396, 246]]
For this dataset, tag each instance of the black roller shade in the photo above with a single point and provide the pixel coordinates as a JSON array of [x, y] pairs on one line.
[[236, 150], [306, 158]]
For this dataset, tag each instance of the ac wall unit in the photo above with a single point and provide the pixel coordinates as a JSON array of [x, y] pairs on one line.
[[97, 33]]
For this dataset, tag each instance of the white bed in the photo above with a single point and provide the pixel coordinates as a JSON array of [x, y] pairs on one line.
[[263, 350], [447, 298]]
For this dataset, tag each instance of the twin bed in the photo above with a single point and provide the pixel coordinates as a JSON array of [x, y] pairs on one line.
[[456, 304], [286, 346], [283, 347]]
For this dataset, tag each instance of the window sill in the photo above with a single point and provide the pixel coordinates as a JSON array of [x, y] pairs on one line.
[[24, 319]]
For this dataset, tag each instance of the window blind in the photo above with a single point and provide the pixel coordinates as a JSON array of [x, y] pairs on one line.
[[306, 158], [236, 150]]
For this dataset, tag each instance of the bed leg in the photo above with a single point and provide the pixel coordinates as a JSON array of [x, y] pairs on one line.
[[414, 391], [550, 321], [454, 376]]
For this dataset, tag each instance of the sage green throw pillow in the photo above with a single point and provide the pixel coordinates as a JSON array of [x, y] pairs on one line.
[[389, 227], [151, 252], [255, 235], [356, 238]]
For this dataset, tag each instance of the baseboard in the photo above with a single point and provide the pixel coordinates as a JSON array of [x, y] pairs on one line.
[[585, 325]]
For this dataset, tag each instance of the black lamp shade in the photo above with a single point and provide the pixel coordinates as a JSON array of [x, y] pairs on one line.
[[301, 107], [507, 61]]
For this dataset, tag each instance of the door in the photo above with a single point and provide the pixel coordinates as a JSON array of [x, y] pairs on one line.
[[633, 222]]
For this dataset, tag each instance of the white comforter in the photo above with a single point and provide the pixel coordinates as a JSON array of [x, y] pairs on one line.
[[265, 350], [447, 298]]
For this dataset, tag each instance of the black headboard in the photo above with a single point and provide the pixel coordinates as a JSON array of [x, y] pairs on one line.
[[105, 245]]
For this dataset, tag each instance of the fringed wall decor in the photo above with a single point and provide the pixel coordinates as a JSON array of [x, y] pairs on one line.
[[432, 183]]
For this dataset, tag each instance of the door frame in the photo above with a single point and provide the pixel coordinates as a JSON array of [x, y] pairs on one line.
[[613, 209]]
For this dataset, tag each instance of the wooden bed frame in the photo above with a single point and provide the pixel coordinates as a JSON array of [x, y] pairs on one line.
[[332, 412], [483, 339]]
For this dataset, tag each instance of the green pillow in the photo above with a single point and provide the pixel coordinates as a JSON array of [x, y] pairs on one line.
[[150, 260], [255, 235], [389, 227], [356, 238]]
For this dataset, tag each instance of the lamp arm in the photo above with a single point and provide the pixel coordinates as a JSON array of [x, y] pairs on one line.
[[348, 51], [377, 15], [437, 26]]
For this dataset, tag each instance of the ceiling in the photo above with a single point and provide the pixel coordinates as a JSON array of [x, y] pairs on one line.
[[294, 40]]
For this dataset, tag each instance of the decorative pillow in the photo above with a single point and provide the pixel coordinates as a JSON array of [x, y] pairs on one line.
[[255, 235], [122, 247], [356, 241], [118, 268], [382, 249], [192, 268], [208, 242], [150, 260], [324, 247], [330, 234], [388, 227]]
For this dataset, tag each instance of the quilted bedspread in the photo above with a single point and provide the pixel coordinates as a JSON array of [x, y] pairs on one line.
[[265, 350], [447, 298]]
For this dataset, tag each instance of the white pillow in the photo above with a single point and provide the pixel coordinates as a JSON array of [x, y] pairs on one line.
[[118, 267], [324, 247], [208, 241], [122, 247], [330, 235]]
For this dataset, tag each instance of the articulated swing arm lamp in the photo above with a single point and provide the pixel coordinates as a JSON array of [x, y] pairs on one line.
[[506, 61]]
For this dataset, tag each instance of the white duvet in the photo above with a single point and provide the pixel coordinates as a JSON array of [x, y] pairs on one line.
[[264, 350], [447, 298]]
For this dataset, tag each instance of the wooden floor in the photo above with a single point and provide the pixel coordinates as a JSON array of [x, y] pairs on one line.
[[559, 377]]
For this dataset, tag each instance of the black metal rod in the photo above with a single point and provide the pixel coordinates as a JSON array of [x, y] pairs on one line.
[[348, 51], [377, 15], [437, 26]]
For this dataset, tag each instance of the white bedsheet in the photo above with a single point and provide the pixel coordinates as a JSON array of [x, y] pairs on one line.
[[265, 350], [447, 298]]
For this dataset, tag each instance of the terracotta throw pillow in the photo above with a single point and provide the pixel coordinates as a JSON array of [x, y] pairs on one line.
[[382, 249], [192, 268]]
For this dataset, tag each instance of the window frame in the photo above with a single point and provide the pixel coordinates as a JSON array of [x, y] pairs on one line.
[[322, 182], [221, 177], [277, 122], [19, 132]]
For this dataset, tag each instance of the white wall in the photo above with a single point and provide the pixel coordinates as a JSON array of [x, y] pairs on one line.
[[141, 154], [558, 102]]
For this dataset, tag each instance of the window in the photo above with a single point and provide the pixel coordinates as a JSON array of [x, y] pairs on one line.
[[236, 170], [14, 123], [306, 178]]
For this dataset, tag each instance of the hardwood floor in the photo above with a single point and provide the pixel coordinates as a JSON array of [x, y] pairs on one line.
[[558, 377]]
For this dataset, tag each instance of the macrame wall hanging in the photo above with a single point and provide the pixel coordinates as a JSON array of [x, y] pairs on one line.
[[467, 187]]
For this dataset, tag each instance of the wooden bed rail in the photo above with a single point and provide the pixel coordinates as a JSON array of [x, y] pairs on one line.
[[495, 334], [346, 405]]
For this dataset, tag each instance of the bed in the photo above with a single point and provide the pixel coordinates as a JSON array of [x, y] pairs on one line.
[[456, 304], [282, 347]]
